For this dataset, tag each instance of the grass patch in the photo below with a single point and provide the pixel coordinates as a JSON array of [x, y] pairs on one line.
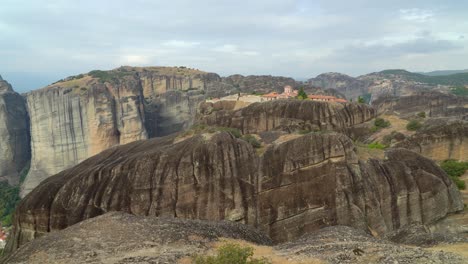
[[109, 76], [231, 253], [376, 145]]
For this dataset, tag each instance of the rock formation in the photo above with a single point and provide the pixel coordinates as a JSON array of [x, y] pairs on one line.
[[14, 134], [297, 184], [434, 104], [386, 83], [288, 115], [351, 87], [117, 237], [83, 115], [440, 139], [172, 240]]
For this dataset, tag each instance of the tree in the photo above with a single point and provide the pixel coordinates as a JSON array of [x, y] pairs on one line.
[[361, 100], [302, 94]]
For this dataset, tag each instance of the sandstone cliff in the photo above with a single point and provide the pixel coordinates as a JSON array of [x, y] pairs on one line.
[[14, 134], [434, 104], [287, 115], [351, 87], [83, 115], [440, 139], [297, 184]]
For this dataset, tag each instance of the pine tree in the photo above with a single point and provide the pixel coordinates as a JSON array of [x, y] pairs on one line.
[[302, 94]]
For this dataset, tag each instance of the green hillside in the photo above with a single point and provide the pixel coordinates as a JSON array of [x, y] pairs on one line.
[[459, 79]]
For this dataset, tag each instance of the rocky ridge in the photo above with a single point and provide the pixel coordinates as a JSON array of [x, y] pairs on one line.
[[14, 134], [268, 188], [439, 139]]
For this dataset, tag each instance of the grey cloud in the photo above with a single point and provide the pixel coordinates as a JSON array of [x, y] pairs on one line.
[[298, 38]]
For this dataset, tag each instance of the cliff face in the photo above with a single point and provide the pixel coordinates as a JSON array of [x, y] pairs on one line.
[[434, 104], [440, 139], [297, 185], [351, 87], [14, 134], [83, 115], [288, 115]]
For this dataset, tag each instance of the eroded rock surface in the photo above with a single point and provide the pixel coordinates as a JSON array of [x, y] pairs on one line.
[[440, 139], [434, 104], [296, 186], [122, 238], [14, 134], [288, 115], [83, 115]]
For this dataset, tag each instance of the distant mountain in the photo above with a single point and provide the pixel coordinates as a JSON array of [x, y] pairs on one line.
[[440, 73], [458, 79]]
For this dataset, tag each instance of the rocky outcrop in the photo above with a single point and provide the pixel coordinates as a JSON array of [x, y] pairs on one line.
[[172, 240], [434, 104], [288, 115], [440, 139], [14, 134], [117, 237], [351, 87], [83, 115], [291, 187], [259, 84]]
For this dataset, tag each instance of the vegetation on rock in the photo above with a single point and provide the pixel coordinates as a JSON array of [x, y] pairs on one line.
[[380, 123], [422, 114], [302, 94], [458, 79], [231, 253], [413, 125], [455, 169], [252, 140], [9, 198], [376, 145], [459, 91]]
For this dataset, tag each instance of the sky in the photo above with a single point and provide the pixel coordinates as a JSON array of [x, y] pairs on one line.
[[44, 41]]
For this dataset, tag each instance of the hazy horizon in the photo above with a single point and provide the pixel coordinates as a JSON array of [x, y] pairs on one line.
[[43, 42]]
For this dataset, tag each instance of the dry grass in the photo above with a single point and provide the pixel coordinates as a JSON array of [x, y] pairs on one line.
[[259, 252], [396, 124], [460, 249]]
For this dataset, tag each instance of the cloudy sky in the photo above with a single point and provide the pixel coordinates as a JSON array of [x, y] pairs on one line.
[[43, 41]]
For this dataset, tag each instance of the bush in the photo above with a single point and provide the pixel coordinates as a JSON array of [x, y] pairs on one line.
[[454, 170], [252, 140], [234, 131], [422, 114], [381, 123], [231, 254], [9, 198], [302, 94], [413, 125], [376, 145]]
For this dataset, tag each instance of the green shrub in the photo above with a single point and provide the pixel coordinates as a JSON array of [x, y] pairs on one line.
[[9, 198], [413, 125], [302, 94], [304, 131], [376, 145], [234, 131], [361, 100], [454, 170], [252, 140], [231, 254], [381, 123], [422, 114]]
